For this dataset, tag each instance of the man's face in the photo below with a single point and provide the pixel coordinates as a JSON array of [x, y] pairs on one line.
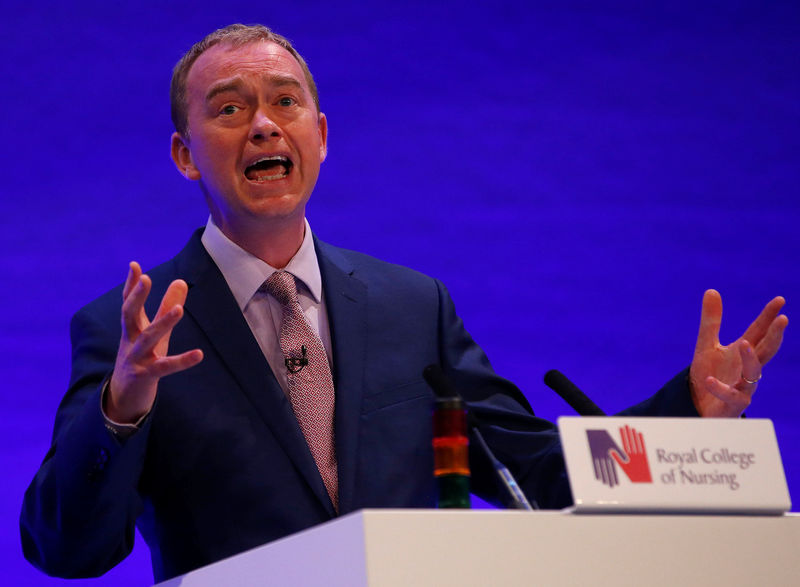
[[255, 141]]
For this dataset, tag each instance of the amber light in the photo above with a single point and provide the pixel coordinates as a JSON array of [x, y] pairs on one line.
[[450, 444]]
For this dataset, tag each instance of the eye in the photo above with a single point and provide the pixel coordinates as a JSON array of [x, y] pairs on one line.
[[229, 109], [287, 101]]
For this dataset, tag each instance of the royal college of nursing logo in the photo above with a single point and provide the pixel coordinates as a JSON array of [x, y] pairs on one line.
[[606, 454]]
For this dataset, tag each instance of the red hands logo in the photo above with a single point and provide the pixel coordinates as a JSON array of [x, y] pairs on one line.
[[632, 458], [635, 465]]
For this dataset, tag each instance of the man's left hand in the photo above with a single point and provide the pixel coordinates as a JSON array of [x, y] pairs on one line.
[[722, 379]]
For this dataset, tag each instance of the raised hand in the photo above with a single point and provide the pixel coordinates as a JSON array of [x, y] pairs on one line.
[[634, 460], [723, 379], [142, 356]]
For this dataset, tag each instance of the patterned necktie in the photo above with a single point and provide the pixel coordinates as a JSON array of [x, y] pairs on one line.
[[310, 381]]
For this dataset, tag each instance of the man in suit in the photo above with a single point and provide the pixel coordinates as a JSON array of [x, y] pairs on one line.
[[242, 413]]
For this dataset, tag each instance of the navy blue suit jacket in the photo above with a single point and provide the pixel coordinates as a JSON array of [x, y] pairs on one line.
[[221, 466]]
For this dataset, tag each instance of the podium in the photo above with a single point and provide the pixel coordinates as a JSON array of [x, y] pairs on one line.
[[465, 548]]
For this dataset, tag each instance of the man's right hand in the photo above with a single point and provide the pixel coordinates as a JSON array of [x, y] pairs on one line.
[[142, 357]]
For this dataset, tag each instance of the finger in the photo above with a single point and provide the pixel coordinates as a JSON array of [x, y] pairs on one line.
[[772, 341], [149, 337], [640, 438], [134, 273], [613, 472], [626, 440], [751, 367], [604, 472], [710, 319], [631, 441], [134, 319], [175, 363], [760, 326], [174, 296], [736, 401], [636, 441]]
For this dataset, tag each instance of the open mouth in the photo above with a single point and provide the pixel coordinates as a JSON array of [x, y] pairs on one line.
[[269, 168]]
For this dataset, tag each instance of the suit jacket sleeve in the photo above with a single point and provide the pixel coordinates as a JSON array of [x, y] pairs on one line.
[[79, 512], [529, 446]]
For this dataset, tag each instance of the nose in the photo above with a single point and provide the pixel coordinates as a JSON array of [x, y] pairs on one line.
[[263, 127]]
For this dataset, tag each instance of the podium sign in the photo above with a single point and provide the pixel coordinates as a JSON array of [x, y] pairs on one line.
[[674, 465]]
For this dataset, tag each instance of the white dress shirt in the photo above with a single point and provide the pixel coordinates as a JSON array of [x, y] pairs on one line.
[[246, 273]]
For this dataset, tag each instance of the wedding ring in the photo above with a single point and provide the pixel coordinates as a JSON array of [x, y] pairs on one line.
[[757, 379]]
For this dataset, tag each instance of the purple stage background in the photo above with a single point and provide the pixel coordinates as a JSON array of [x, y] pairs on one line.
[[591, 167]]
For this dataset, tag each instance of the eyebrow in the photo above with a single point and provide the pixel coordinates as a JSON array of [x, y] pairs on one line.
[[230, 85], [285, 80], [235, 83]]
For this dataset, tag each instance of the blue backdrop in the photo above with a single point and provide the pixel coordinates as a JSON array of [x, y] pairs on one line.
[[595, 165]]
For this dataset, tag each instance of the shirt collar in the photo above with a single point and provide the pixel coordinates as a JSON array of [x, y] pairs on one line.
[[245, 273]]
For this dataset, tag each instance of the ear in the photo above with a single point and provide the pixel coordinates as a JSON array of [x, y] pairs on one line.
[[182, 157], [322, 128]]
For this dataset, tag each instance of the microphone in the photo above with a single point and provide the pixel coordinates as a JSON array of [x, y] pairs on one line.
[[577, 400], [441, 386], [296, 364], [444, 390]]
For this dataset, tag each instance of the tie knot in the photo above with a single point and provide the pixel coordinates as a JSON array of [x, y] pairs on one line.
[[282, 287]]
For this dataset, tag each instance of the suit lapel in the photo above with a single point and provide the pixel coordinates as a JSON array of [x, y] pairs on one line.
[[345, 301], [212, 306]]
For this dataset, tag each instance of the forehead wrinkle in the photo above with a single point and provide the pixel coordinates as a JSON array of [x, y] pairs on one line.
[[226, 85], [237, 82]]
